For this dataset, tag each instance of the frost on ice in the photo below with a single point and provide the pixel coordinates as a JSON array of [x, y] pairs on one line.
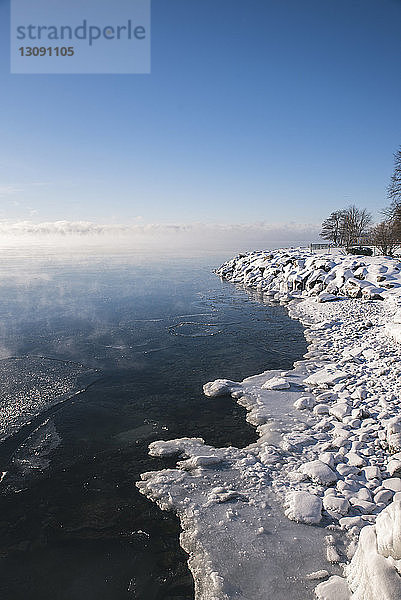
[[328, 453]]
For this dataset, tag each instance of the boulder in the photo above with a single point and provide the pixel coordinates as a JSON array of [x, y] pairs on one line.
[[319, 472]]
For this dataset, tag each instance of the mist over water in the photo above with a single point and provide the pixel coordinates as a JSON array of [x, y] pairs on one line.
[[105, 348], [190, 238]]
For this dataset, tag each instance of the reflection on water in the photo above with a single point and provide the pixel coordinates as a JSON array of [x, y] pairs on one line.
[[155, 329]]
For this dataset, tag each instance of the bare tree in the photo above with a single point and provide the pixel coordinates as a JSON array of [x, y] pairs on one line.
[[332, 227], [394, 189], [393, 212], [355, 225], [384, 237], [396, 222], [346, 227]]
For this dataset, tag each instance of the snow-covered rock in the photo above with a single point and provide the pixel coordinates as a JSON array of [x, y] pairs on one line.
[[340, 410], [334, 455], [393, 483], [336, 504], [305, 402], [319, 472], [394, 466], [303, 507], [326, 377], [326, 297], [394, 434]]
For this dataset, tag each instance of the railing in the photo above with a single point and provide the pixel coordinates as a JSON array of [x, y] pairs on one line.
[[320, 247], [357, 242]]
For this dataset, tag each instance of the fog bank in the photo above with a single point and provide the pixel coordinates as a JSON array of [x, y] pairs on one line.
[[192, 236]]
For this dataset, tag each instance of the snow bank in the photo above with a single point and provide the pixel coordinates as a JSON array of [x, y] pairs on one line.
[[373, 573], [329, 448]]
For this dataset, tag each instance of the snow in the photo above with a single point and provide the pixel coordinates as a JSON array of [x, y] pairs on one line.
[[181, 446], [326, 377], [337, 505], [340, 410], [303, 507], [394, 433], [305, 402], [388, 531], [318, 471], [333, 589], [220, 387], [394, 484], [276, 383], [371, 575], [328, 455]]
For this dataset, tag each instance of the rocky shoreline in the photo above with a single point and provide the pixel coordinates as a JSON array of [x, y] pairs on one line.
[[332, 458]]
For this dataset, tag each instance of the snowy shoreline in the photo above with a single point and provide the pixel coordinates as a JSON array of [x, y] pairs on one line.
[[329, 447]]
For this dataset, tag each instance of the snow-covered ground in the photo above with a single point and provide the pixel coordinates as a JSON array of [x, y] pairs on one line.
[[318, 497]]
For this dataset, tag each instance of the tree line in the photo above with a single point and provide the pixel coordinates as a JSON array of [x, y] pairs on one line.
[[353, 226]]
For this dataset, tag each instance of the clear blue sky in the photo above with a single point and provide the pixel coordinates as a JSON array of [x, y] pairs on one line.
[[255, 110]]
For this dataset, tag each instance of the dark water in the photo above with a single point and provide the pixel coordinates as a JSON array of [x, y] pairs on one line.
[[128, 341]]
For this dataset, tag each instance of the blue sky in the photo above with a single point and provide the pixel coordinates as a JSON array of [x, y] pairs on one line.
[[255, 111]]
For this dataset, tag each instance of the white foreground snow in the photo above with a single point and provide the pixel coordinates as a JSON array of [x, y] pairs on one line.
[[267, 521]]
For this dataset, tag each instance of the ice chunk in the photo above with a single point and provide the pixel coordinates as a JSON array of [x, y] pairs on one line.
[[328, 459], [276, 383], [372, 472], [321, 409], [222, 494], [322, 574], [326, 377], [335, 588], [205, 462], [355, 460], [219, 387], [370, 575], [383, 496], [305, 402], [351, 522], [364, 506], [388, 531], [394, 466], [303, 507], [172, 447]]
